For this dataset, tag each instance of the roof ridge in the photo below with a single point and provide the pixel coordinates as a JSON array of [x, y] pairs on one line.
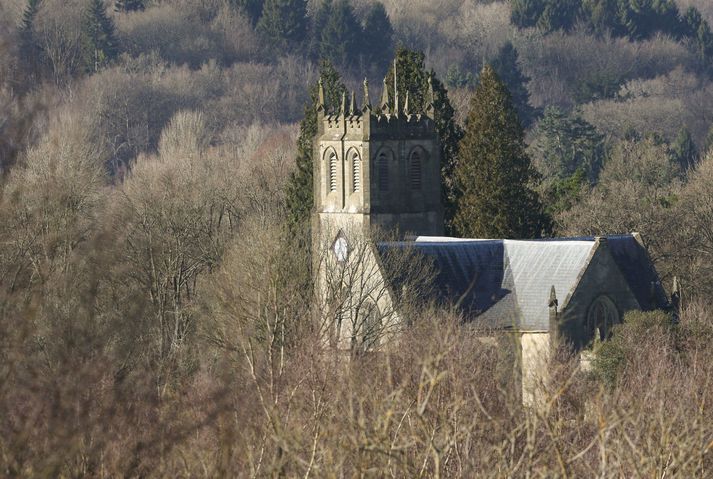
[[520, 314], [595, 247]]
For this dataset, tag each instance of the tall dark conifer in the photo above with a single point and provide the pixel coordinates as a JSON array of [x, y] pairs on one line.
[[377, 41], [300, 187], [564, 144], [559, 15], [525, 13], [509, 71], [602, 17], [251, 8], [28, 16], [99, 44], [319, 20], [413, 77], [29, 48], [340, 35], [284, 22], [698, 30], [708, 142], [684, 150], [569, 153], [494, 176], [129, 5]]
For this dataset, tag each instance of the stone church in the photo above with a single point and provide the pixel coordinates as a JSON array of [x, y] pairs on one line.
[[379, 167]]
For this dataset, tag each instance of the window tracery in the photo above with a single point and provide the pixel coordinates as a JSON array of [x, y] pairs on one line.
[[356, 173], [415, 171], [383, 167], [601, 318], [332, 171]]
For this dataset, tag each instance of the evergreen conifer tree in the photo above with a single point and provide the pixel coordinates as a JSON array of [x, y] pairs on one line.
[[525, 13], [319, 20], [691, 21], [602, 16], [665, 17], [300, 194], [565, 144], [569, 153], [559, 15], [377, 45], [29, 49], [413, 78], [28, 16], [251, 8], [684, 150], [457, 78], [696, 28], [494, 176], [284, 22], [129, 5], [508, 70], [99, 45], [635, 19], [340, 35], [708, 142]]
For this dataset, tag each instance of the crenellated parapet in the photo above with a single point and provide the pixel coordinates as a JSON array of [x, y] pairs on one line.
[[390, 120], [378, 165]]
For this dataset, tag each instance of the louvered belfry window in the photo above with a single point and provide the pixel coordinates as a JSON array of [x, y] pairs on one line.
[[332, 171], [383, 164], [356, 173], [415, 171]]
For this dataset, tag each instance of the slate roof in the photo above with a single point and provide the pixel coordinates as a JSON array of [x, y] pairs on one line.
[[506, 283], [635, 265]]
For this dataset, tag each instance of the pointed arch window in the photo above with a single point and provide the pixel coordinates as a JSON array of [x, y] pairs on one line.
[[356, 173], [415, 171], [383, 167], [601, 318], [332, 172]]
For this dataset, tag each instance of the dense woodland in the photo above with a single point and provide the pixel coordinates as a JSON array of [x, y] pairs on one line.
[[157, 317]]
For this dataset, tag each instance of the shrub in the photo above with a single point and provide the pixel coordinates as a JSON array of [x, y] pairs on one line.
[[639, 330]]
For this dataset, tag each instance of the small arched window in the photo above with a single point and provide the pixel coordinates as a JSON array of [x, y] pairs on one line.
[[332, 171], [356, 173], [383, 166], [415, 171], [601, 318]]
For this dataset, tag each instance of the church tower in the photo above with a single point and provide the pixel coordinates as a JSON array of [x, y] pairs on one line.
[[376, 167]]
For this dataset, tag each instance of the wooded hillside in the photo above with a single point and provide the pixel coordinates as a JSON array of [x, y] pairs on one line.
[[157, 314]]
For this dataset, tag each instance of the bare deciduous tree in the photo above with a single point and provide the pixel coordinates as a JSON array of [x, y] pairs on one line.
[[365, 291], [50, 204], [696, 210], [637, 192]]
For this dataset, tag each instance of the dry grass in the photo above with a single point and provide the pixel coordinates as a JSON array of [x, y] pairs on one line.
[[439, 403]]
